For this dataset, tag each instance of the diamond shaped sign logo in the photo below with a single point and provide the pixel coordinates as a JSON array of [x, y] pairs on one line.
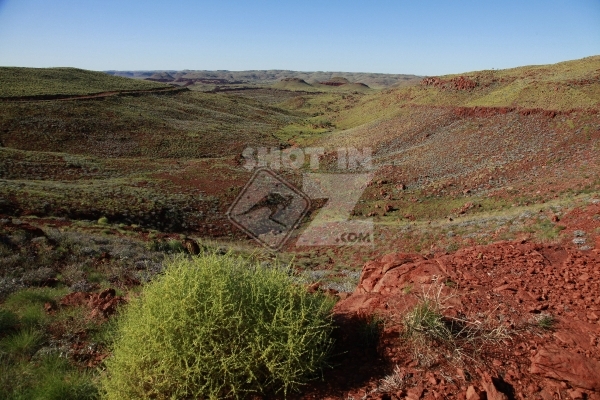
[[268, 208]]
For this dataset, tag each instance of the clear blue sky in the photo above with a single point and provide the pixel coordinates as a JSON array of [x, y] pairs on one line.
[[418, 36]]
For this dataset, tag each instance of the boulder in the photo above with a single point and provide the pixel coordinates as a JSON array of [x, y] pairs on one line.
[[563, 365]]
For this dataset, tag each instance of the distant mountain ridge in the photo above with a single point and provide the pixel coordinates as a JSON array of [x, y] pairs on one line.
[[373, 80]]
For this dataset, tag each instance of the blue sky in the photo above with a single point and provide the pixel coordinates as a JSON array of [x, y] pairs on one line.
[[420, 37]]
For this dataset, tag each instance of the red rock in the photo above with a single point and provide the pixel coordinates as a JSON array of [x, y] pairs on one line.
[[415, 393], [575, 394], [592, 316], [505, 287], [472, 393], [547, 394], [49, 307], [556, 363], [533, 388], [490, 390], [313, 287], [343, 295], [75, 299]]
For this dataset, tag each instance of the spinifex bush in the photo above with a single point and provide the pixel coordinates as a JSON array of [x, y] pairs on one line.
[[217, 327]]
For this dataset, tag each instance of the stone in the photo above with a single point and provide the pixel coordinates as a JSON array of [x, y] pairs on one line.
[[560, 364], [575, 394], [490, 390], [472, 393]]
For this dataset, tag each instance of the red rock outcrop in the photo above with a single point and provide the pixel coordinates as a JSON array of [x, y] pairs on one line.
[[102, 304], [517, 283]]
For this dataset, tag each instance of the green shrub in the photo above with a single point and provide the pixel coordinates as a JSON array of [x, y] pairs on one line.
[[103, 221], [175, 246], [171, 246], [217, 327]]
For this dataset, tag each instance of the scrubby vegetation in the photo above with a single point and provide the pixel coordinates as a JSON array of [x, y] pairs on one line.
[[215, 326], [96, 193], [425, 324], [24, 82]]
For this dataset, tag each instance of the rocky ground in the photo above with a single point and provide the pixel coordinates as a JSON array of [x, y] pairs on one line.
[[523, 316]]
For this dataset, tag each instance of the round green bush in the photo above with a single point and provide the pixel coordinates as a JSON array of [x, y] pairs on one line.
[[175, 246], [214, 327]]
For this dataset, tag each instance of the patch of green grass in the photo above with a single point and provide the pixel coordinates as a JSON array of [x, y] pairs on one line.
[[61, 381], [8, 321], [450, 283], [426, 318], [106, 333], [50, 378], [369, 331], [22, 343], [21, 300], [544, 321], [452, 247], [545, 229], [27, 306], [175, 246], [95, 277], [33, 316], [425, 324]]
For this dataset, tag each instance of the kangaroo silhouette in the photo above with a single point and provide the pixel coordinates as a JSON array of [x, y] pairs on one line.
[[275, 202]]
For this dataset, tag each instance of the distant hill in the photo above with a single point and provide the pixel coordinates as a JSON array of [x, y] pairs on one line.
[[335, 81], [336, 84], [373, 80], [26, 82], [292, 84], [161, 77]]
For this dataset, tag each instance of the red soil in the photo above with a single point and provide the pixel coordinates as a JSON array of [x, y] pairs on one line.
[[512, 284]]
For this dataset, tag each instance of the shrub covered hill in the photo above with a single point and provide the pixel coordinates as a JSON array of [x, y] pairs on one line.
[[486, 209], [509, 131], [16, 82]]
